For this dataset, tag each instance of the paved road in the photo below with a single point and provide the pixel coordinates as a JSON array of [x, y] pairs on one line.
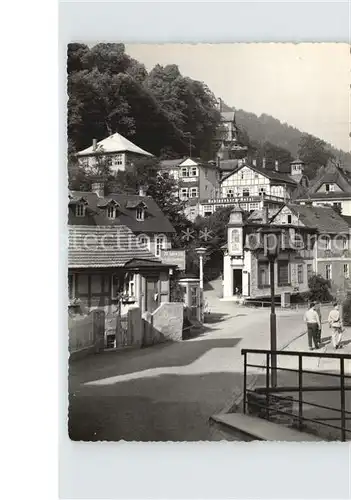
[[168, 392]]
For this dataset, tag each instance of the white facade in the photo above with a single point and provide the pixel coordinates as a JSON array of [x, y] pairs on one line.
[[246, 273], [247, 182]]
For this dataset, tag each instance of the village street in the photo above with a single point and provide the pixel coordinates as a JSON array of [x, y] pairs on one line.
[[169, 392]]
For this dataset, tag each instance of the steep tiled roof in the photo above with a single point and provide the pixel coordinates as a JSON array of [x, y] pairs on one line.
[[188, 162], [104, 246], [258, 215], [270, 174], [332, 175], [155, 221], [115, 143], [228, 165], [324, 219], [171, 163]]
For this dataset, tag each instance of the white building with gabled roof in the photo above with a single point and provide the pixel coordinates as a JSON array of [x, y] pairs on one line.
[[116, 149]]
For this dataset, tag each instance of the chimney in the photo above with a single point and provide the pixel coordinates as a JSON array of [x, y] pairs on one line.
[[276, 166], [263, 162], [254, 162], [98, 188], [94, 144]]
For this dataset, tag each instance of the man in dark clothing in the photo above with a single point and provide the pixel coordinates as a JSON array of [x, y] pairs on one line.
[[313, 326]]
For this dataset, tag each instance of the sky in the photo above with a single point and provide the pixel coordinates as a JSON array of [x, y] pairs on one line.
[[304, 85]]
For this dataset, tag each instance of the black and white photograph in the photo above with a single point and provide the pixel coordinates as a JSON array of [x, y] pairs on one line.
[[209, 242]]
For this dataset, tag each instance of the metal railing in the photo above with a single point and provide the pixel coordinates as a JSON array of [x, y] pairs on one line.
[[268, 403]]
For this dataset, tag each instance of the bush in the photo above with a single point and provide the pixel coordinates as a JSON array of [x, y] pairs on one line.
[[320, 289], [346, 310], [177, 291]]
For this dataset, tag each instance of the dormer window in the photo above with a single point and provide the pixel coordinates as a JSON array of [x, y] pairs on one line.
[[80, 209], [140, 213], [329, 187], [112, 212]]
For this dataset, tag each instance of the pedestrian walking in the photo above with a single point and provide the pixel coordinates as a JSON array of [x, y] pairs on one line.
[[318, 309], [335, 322], [313, 326]]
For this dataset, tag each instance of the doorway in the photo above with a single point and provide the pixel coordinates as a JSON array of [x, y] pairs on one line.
[[151, 295], [237, 281]]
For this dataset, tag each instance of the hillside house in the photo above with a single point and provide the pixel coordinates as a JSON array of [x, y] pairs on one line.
[[118, 152], [138, 222], [106, 260], [314, 240], [254, 187], [195, 179], [333, 188]]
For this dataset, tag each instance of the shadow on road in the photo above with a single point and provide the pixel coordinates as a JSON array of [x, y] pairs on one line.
[[163, 408], [108, 364]]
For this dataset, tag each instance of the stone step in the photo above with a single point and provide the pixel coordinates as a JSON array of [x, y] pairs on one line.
[[256, 429]]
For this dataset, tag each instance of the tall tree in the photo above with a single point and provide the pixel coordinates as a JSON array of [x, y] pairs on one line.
[[314, 153]]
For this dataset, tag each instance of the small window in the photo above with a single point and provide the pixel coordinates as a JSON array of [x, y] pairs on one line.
[[289, 219], [140, 213], [80, 210], [114, 286], [346, 271], [246, 193], [345, 244], [328, 272], [129, 286], [309, 271], [144, 241], [325, 243], [184, 194], [193, 192], [300, 273], [111, 212], [230, 193], [160, 245], [283, 273], [263, 274], [118, 160], [193, 171], [184, 172]]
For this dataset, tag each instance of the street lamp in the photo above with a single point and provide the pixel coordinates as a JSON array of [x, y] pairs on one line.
[[271, 243], [201, 251]]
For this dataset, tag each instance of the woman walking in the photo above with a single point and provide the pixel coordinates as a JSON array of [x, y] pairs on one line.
[[335, 323]]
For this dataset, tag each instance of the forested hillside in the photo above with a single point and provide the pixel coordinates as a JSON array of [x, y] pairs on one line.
[[265, 128], [161, 111], [166, 113]]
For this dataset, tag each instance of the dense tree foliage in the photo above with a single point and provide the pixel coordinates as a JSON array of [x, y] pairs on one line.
[[161, 111], [314, 153], [266, 129]]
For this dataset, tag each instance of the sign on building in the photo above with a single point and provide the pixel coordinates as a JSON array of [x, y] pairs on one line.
[[236, 242], [174, 257]]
